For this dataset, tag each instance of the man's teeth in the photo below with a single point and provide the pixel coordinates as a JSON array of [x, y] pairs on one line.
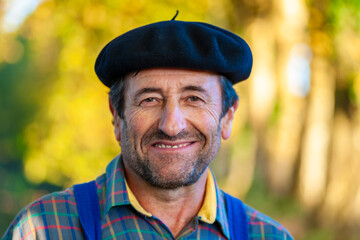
[[171, 146]]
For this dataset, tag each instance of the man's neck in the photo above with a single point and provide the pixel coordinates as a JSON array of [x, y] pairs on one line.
[[174, 207]]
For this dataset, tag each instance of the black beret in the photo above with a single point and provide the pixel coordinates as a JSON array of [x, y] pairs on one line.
[[175, 44]]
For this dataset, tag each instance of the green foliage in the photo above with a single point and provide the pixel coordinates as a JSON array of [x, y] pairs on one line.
[[345, 14], [21, 94]]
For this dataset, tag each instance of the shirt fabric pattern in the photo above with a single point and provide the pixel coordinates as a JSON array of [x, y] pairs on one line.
[[55, 216]]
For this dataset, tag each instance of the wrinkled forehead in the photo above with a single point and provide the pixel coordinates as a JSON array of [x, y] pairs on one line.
[[167, 78]]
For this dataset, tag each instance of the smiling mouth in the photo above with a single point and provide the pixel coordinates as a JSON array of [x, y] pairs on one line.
[[172, 146]]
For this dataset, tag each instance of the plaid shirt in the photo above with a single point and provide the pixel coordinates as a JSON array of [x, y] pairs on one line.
[[55, 216]]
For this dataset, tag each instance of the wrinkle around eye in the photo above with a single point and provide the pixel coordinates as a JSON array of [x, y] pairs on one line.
[[211, 111], [134, 114]]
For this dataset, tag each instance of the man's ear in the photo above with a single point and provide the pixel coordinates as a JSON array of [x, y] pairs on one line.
[[116, 122], [226, 122]]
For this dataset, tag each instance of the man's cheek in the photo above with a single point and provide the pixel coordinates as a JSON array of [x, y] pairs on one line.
[[139, 116]]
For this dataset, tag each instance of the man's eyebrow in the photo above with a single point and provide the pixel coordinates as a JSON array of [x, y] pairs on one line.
[[196, 89], [146, 90]]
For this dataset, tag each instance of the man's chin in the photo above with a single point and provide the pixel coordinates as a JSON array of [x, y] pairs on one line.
[[171, 181], [170, 185]]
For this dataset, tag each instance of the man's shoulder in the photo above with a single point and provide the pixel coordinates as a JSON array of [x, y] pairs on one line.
[[262, 226], [54, 200], [43, 213]]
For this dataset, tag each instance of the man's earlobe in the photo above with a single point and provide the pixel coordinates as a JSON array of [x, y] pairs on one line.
[[117, 126], [226, 122]]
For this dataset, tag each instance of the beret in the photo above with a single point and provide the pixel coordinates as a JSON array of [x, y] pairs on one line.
[[175, 44]]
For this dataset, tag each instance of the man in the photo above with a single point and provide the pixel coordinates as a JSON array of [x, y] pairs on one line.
[[172, 101]]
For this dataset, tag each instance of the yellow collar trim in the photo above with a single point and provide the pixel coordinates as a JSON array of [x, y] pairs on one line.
[[207, 211]]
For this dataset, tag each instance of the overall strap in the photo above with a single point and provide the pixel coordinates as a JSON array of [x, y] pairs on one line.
[[238, 223], [88, 209]]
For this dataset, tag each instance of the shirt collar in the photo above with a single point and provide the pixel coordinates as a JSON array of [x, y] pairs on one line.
[[221, 214], [118, 193]]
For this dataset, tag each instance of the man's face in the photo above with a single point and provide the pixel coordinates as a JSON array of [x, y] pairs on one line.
[[172, 125]]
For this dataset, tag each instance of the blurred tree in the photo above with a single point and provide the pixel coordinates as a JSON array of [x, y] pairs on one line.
[[340, 203], [22, 89], [306, 143]]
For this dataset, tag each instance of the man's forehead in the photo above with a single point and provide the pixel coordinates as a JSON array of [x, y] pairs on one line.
[[172, 77]]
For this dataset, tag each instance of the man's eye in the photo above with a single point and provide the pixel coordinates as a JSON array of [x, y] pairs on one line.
[[149, 100], [194, 99]]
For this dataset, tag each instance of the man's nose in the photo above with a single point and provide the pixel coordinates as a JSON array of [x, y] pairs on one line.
[[172, 120]]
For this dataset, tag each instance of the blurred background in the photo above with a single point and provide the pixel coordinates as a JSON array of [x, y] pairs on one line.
[[295, 148]]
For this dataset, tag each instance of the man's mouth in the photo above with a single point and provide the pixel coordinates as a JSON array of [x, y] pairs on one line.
[[162, 145]]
